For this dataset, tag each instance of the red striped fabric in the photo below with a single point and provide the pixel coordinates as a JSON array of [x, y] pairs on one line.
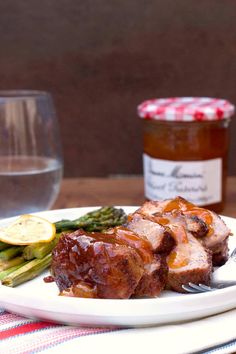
[[27, 336], [29, 327]]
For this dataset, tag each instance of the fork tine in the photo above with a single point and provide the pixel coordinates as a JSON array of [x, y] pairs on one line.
[[206, 288], [217, 284], [197, 287], [189, 289]]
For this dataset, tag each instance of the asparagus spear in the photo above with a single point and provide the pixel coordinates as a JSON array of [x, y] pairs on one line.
[[40, 250], [10, 252], [6, 272], [27, 272], [97, 220], [11, 263]]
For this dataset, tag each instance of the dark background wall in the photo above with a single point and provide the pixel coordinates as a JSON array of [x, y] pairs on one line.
[[100, 59]]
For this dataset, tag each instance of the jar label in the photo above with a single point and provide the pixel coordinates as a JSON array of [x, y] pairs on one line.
[[200, 182]]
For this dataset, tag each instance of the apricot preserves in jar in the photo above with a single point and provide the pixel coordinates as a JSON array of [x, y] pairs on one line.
[[186, 149]]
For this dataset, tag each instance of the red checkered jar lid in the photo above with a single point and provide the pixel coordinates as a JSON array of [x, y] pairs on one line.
[[186, 109]]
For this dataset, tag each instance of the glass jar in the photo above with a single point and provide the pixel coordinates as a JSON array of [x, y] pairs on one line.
[[186, 144]]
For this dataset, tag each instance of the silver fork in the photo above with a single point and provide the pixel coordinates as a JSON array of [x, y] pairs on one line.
[[221, 278]]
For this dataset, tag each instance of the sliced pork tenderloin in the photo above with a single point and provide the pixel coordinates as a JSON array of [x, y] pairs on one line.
[[118, 264], [203, 224], [154, 278], [159, 236], [189, 262], [95, 265]]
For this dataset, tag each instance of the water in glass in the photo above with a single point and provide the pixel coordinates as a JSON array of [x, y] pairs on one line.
[[30, 152]]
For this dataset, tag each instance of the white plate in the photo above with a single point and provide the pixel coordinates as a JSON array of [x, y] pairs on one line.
[[37, 299]]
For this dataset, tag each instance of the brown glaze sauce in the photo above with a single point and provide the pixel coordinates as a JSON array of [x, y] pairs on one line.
[[190, 209], [178, 204], [177, 260], [87, 247], [142, 246]]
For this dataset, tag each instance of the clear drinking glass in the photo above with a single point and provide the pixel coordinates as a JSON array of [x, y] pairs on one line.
[[30, 152]]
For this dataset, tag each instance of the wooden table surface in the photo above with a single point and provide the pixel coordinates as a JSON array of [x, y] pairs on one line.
[[77, 192]]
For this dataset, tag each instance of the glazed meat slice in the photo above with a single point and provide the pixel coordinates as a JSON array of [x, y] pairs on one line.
[[218, 232], [216, 237], [117, 264], [189, 262], [154, 278], [155, 274], [204, 224], [159, 236], [95, 265]]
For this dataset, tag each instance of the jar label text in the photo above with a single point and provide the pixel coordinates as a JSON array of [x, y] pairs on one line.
[[200, 182]]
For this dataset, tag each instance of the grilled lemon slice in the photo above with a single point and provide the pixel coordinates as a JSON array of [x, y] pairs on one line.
[[28, 229]]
